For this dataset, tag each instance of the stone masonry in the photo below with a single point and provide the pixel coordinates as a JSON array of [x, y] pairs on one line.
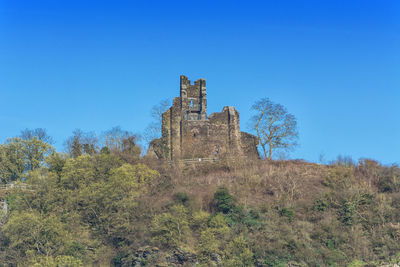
[[188, 133]]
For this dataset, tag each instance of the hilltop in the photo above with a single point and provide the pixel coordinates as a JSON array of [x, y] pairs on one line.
[[108, 208]]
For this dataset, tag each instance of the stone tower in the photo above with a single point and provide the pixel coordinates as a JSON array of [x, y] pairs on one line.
[[193, 99], [188, 133]]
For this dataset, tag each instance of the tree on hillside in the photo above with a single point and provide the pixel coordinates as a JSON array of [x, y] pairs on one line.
[[37, 145], [81, 143], [275, 127], [36, 152], [153, 130], [38, 133], [12, 163], [115, 138], [122, 143], [18, 156]]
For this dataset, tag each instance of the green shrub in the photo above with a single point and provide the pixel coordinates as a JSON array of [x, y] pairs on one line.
[[224, 201], [339, 177], [274, 261], [200, 220], [357, 263], [238, 253], [389, 180], [208, 245], [171, 228], [347, 212], [288, 213], [320, 205], [181, 198], [50, 261]]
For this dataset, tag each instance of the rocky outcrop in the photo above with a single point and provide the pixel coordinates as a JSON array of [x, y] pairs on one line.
[[182, 258]]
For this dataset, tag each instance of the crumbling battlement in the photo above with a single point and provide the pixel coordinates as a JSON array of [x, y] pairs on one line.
[[188, 133]]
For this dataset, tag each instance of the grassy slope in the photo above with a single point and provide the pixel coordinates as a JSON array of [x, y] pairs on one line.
[[309, 213], [271, 213]]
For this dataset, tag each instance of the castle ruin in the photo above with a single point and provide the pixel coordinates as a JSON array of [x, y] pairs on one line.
[[188, 133]]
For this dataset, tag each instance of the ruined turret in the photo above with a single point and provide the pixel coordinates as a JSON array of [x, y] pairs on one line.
[[188, 133]]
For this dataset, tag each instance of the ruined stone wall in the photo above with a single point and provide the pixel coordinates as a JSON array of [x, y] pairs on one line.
[[188, 133], [193, 99]]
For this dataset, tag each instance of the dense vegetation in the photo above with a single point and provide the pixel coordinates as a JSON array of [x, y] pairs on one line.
[[109, 206]]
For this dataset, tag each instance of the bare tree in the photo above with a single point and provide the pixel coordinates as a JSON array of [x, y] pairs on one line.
[[153, 130], [275, 127], [81, 143], [38, 133], [122, 143], [115, 138]]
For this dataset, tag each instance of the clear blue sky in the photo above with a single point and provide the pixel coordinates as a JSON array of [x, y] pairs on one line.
[[335, 65]]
